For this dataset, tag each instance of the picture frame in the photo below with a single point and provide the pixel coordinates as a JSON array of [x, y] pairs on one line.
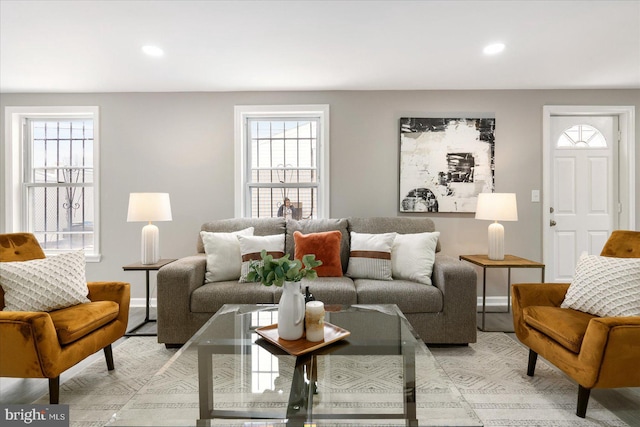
[[445, 163]]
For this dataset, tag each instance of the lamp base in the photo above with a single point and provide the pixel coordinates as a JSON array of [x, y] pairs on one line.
[[496, 241], [150, 244]]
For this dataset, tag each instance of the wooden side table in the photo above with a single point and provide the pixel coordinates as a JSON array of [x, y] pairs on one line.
[[146, 268], [509, 262]]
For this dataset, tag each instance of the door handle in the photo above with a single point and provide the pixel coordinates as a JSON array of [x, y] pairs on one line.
[[552, 223]]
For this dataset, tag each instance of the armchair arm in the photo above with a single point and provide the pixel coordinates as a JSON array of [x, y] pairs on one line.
[[457, 281], [534, 294], [176, 282], [545, 294], [119, 292], [109, 291], [28, 338], [611, 346]]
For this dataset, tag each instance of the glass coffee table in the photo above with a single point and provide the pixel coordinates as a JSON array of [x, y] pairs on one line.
[[380, 374]]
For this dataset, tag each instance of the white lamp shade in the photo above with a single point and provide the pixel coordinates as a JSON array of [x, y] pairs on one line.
[[149, 207], [497, 207]]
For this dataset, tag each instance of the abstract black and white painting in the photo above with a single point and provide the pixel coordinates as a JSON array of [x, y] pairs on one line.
[[445, 163]]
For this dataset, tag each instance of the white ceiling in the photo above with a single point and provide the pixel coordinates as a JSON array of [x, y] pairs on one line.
[[94, 46]]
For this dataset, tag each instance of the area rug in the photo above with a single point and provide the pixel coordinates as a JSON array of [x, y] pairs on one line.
[[95, 394], [490, 375]]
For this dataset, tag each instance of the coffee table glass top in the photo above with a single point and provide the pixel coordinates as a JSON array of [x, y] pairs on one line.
[[381, 374]]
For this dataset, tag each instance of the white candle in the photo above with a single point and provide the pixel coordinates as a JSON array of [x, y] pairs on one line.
[[314, 320]]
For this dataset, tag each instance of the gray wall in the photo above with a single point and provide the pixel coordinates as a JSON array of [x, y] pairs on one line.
[[183, 143]]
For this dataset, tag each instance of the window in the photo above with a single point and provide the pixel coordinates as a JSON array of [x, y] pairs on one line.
[[282, 162], [53, 191], [582, 136]]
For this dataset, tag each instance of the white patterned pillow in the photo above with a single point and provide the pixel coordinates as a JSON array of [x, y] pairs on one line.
[[223, 255], [605, 286], [44, 284], [370, 256], [413, 255], [251, 246]]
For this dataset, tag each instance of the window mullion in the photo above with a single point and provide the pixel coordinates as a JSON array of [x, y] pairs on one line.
[[282, 186]]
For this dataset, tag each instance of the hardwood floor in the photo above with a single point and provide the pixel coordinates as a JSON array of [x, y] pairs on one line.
[[624, 402], [496, 321]]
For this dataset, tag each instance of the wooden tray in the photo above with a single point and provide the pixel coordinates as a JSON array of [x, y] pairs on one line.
[[332, 333]]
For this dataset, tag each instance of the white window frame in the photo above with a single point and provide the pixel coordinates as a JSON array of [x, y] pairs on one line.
[[15, 215], [244, 112]]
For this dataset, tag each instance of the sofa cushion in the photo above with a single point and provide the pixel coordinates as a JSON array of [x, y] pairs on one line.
[[329, 290], [223, 254], [565, 326], [317, 226], [261, 227], [252, 246], [413, 256], [400, 225], [44, 284], [211, 297], [410, 297], [370, 256], [326, 248], [75, 322]]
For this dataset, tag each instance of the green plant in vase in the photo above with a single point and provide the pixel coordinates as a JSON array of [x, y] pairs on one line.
[[287, 274], [278, 271]]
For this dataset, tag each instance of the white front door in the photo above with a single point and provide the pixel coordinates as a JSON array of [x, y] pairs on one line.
[[583, 188]]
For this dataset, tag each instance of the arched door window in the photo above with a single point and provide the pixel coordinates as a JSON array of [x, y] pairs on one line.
[[581, 136]]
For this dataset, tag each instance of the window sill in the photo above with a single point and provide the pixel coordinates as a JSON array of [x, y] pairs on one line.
[[87, 257], [93, 257]]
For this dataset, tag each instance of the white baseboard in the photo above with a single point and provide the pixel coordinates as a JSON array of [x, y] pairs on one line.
[[142, 302], [493, 302], [490, 302]]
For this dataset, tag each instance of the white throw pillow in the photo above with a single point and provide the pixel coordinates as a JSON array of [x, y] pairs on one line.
[[413, 255], [223, 255], [605, 286], [44, 284], [370, 256], [251, 246]]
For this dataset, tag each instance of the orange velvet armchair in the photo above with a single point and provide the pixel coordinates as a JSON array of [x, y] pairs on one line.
[[45, 344], [597, 352]]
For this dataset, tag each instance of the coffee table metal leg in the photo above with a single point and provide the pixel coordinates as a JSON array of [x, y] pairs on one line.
[[409, 374], [301, 395], [205, 383]]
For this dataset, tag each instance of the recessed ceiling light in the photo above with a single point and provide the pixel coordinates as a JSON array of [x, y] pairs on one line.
[[152, 50], [494, 48]]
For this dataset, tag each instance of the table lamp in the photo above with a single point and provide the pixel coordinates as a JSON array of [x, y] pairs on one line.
[[149, 207], [497, 207]]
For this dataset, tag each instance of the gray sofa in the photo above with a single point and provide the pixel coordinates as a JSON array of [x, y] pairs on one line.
[[444, 313]]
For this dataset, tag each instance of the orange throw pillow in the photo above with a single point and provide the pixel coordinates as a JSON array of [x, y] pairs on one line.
[[325, 246]]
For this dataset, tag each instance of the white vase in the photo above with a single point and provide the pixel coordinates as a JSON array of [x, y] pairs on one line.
[[291, 312]]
